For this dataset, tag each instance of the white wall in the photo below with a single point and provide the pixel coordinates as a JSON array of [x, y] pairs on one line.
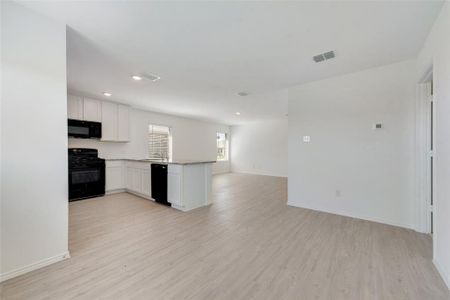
[[349, 168], [191, 139], [34, 205], [436, 53], [260, 148]]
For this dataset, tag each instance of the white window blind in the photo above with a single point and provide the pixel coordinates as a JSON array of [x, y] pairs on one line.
[[159, 142]]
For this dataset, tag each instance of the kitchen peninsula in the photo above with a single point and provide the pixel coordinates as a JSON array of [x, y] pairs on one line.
[[188, 182]]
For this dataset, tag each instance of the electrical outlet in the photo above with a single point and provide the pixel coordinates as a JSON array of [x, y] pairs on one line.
[[306, 139], [338, 193]]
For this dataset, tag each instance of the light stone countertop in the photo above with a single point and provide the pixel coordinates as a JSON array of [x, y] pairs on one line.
[[175, 162]]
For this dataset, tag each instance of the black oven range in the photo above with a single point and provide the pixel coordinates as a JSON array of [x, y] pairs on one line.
[[86, 174]]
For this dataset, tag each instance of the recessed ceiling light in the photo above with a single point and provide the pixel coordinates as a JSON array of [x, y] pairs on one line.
[[243, 94], [107, 94], [238, 113], [136, 77]]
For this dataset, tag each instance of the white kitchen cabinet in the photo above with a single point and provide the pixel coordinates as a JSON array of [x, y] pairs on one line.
[[123, 123], [115, 122], [109, 121], [174, 189], [138, 178], [146, 186], [115, 176], [92, 110], [74, 107], [129, 178], [189, 185], [115, 118]]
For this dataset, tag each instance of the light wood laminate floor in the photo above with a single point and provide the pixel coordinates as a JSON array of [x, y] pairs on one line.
[[247, 245]]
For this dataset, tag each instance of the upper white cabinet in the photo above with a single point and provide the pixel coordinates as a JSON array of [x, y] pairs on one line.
[[109, 121], [115, 122], [115, 118], [74, 107], [92, 110], [123, 121]]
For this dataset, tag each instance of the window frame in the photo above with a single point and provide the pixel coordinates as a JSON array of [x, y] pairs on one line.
[[169, 151], [227, 147]]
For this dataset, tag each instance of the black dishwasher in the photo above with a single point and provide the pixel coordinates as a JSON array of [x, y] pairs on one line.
[[159, 183]]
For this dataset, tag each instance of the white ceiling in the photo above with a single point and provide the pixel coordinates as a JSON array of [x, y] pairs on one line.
[[207, 52]]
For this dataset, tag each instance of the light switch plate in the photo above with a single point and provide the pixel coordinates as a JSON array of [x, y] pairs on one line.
[[306, 138]]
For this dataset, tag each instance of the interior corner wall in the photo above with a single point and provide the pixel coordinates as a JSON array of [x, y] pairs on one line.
[[436, 55], [260, 148], [34, 194], [348, 167]]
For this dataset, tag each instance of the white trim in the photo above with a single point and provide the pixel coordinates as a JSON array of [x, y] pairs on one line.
[[422, 164], [257, 173], [34, 266], [116, 191], [139, 195], [444, 276], [355, 216]]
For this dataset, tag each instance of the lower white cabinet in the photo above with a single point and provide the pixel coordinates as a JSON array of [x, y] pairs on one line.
[[131, 176], [138, 178], [189, 185], [115, 176], [174, 182], [146, 185]]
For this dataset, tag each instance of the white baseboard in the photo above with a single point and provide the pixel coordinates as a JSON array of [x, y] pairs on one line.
[[355, 216], [258, 173], [444, 276], [139, 195], [111, 192], [34, 266]]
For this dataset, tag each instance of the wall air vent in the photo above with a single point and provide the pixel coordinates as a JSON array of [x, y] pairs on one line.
[[324, 56]]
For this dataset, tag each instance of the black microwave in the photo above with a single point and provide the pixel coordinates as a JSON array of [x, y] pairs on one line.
[[84, 129]]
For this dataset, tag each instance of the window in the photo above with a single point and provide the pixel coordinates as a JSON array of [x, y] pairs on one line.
[[222, 146], [159, 142]]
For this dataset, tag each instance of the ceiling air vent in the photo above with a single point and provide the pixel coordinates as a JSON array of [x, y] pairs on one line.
[[324, 56], [151, 76], [319, 58]]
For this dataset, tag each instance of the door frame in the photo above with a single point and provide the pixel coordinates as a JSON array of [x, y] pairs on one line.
[[424, 170]]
